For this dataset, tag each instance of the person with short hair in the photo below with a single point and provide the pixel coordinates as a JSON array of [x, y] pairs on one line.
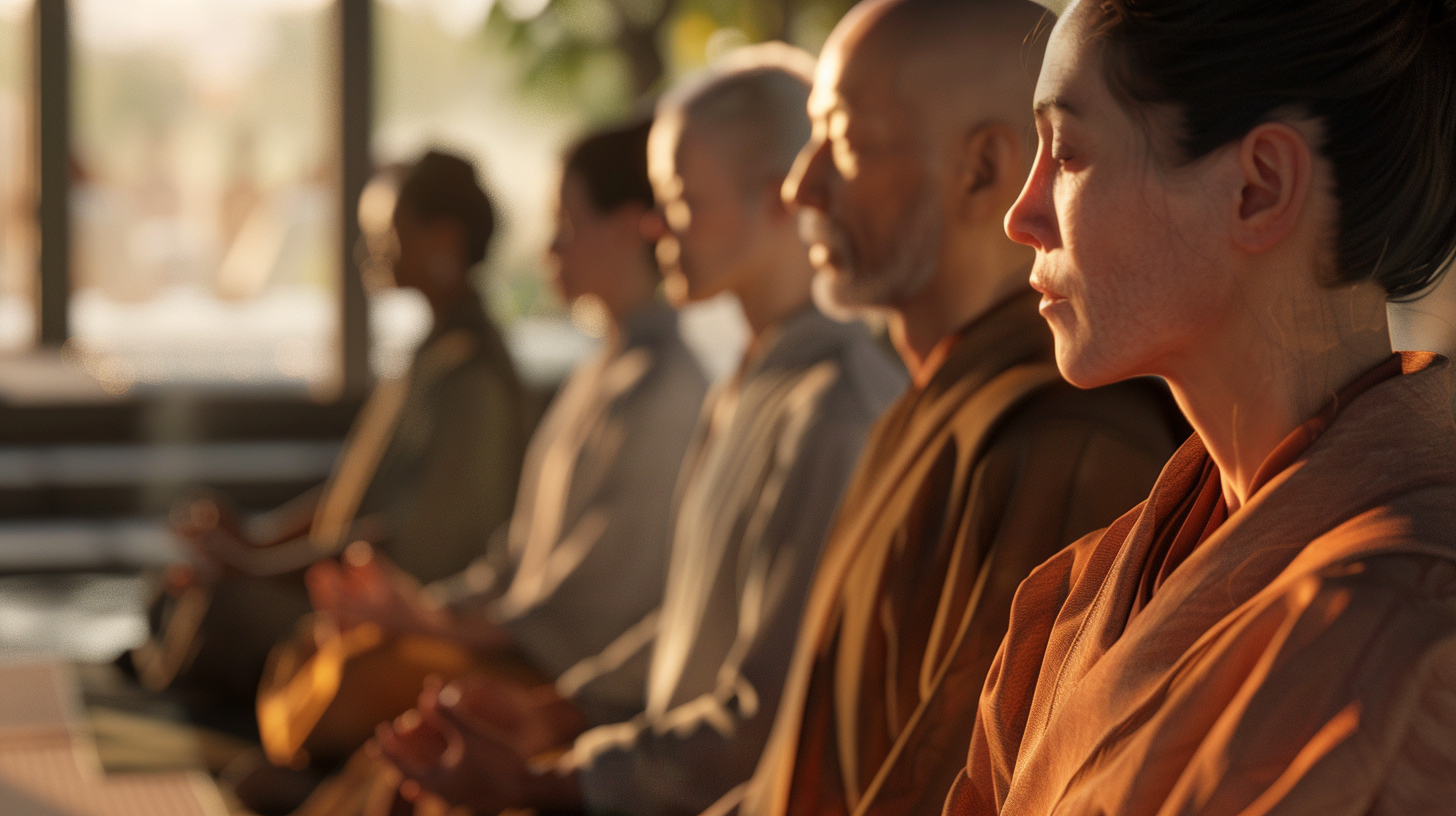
[[1226, 195], [776, 445], [991, 463]]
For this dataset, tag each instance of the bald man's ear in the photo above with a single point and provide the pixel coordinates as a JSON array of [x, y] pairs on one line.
[[990, 169]]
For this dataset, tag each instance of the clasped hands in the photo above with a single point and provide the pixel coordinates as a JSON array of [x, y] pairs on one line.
[[473, 742], [363, 587]]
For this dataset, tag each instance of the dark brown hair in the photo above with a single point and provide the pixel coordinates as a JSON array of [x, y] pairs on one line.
[[1379, 76], [441, 185], [613, 166]]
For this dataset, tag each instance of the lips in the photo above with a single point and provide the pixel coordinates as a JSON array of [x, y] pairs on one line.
[[1047, 292], [1052, 301]]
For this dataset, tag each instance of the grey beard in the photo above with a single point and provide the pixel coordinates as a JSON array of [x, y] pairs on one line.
[[910, 268]]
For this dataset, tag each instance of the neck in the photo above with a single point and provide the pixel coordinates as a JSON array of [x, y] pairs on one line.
[[1257, 381], [772, 294], [444, 303], [956, 296], [634, 290]]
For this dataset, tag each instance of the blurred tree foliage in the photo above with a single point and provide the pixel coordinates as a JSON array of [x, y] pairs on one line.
[[609, 56]]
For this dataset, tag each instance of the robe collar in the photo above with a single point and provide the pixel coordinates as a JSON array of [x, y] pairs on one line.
[[1203, 509], [1010, 333], [798, 342]]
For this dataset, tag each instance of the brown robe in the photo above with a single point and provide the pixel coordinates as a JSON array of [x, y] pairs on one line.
[[966, 485], [1300, 660]]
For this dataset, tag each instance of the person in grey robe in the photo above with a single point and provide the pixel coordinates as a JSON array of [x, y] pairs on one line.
[[585, 553], [775, 448]]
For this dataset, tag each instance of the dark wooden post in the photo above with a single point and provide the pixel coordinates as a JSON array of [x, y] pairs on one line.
[[52, 84], [356, 52]]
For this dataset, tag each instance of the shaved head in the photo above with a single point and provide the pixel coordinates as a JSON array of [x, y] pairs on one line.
[[952, 64], [923, 134], [749, 107]]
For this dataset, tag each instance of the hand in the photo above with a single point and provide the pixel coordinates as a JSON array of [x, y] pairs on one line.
[[364, 587], [534, 718], [449, 752]]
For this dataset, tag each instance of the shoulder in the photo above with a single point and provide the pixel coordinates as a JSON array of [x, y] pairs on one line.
[[1385, 608], [1415, 526], [673, 365], [483, 357]]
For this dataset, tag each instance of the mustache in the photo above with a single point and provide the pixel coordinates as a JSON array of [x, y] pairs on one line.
[[815, 228]]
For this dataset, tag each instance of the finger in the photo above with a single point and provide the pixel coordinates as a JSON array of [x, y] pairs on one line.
[[449, 709], [323, 581], [410, 744], [430, 691]]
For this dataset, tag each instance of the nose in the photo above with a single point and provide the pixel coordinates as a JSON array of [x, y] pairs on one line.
[[805, 184], [1032, 220]]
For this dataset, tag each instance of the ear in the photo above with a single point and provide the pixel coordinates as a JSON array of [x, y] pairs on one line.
[[1276, 166], [990, 167]]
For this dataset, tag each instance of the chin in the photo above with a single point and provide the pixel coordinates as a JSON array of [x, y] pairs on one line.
[[1081, 366], [830, 297]]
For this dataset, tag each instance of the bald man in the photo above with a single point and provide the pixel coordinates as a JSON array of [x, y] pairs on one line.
[[776, 447], [991, 463]]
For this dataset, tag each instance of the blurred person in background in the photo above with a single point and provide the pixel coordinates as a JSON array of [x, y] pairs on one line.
[[776, 446], [992, 463], [428, 471], [585, 555]]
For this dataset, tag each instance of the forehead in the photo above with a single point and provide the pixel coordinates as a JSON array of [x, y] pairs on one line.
[[662, 147], [1067, 76], [859, 70], [694, 163]]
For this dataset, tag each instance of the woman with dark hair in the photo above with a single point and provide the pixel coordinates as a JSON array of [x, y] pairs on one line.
[[1226, 194]]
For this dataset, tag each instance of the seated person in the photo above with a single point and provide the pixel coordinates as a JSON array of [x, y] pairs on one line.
[[776, 446], [428, 471], [1274, 630], [585, 555]]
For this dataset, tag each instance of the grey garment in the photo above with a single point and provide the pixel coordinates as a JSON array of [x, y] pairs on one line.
[[586, 550], [775, 450], [447, 479]]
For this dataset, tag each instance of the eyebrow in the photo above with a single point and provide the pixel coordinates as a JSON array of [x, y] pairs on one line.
[[1055, 103]]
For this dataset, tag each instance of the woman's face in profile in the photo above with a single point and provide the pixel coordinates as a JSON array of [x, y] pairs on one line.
[[584, 245], [1132, 254]]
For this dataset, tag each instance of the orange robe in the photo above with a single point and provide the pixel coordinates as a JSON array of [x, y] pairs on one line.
[[966, 485], [1301, 659]]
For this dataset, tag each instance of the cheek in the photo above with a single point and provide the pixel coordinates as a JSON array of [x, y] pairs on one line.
[[1140, 277], [878, 209], [713, 240]]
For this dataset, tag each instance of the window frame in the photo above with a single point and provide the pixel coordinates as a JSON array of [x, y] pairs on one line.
[[51, 83]]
